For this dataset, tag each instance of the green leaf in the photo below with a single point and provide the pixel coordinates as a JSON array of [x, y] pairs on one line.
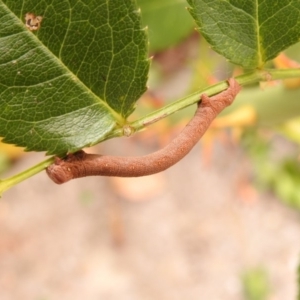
[[249, 32], [168, 22], [70, 83]]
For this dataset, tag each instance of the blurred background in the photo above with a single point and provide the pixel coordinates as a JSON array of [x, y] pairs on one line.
[[223, 223]]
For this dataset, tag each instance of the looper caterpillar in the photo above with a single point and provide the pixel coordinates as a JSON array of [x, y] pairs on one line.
[[81, 164]]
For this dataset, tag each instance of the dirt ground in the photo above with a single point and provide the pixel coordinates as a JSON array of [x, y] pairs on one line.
[[187, 233]]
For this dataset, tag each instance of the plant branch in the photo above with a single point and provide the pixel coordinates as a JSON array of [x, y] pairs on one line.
[[7, 183], [245, 79]]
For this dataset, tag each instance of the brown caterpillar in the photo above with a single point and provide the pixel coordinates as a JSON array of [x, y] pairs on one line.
[[81, 164]]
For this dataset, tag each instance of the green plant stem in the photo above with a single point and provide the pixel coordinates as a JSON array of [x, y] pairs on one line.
[[245, 79], [7, 183]]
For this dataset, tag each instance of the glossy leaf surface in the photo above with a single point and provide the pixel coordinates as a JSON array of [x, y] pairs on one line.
[[248, 32], [69, 83]]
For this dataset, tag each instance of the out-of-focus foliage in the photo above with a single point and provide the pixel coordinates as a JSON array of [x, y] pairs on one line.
[[280, 174], [168, 22], [4, 162], [256, 286]]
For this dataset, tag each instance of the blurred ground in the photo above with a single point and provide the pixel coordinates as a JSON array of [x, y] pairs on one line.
[[190, 236]]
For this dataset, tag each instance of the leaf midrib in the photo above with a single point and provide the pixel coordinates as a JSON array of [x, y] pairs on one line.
[[259, 49]]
